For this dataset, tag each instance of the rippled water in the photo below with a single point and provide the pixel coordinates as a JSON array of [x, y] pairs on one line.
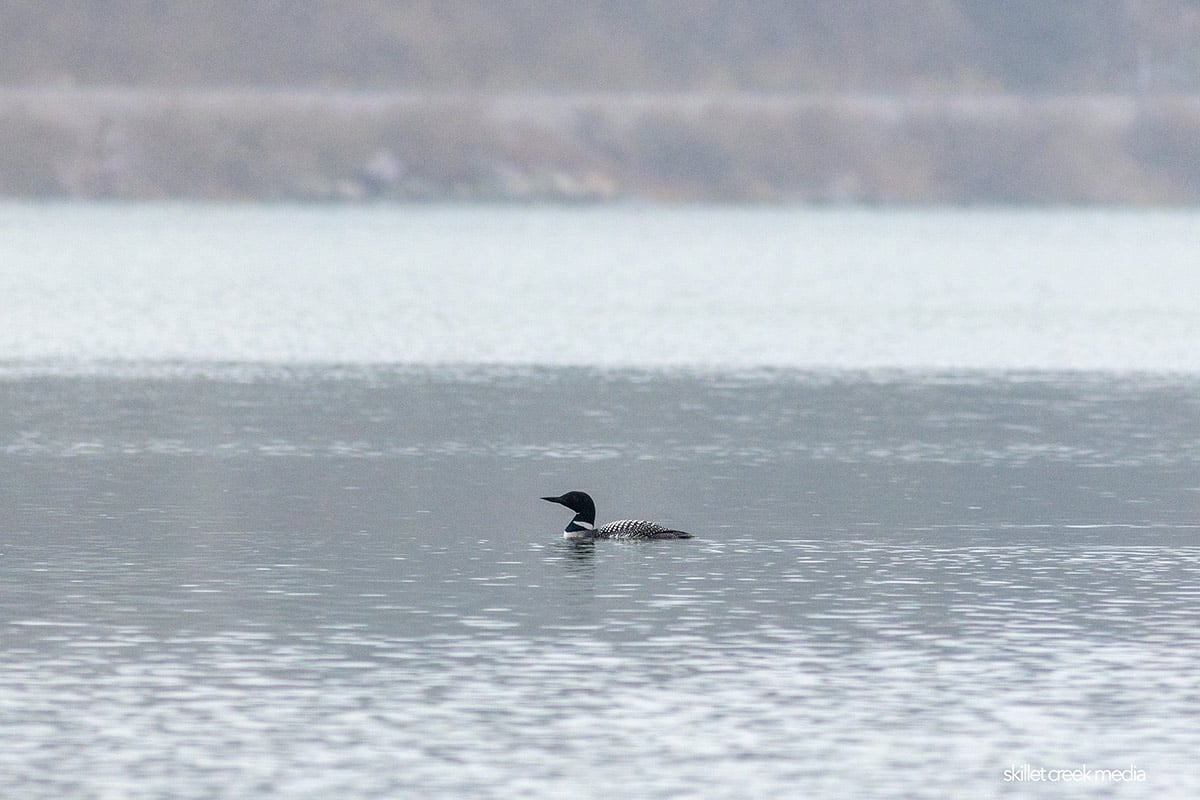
[[616, 286], [270, 581]]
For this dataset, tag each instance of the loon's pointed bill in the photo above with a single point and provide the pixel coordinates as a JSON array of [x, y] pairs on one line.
[[583, 524]]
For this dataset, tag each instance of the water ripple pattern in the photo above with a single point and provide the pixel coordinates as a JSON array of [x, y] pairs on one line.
[[278, 581], [614, 286]]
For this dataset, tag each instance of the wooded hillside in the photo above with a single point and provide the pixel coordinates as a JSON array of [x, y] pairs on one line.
[[870, 101], [1064, 46]]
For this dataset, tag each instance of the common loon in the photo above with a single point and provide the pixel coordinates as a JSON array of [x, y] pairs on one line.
[[583, 526]]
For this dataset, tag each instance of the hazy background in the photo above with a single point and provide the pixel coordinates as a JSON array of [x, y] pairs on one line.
[[873, 101]]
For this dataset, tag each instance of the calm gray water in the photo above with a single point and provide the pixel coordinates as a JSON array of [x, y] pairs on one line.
[[269, 516], [251, 582]]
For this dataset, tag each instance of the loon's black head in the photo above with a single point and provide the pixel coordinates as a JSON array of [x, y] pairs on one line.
[[579, 502]]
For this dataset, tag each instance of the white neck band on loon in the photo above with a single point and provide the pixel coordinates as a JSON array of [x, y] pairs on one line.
[[579, 529]]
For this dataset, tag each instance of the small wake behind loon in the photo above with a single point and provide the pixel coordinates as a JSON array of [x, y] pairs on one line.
[[583, 524]]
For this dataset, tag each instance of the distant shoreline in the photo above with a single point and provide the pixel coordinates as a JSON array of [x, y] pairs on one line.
[[316, 144]]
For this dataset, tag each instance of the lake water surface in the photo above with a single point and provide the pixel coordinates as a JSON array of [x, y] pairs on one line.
[[266, 531], [714, 287]]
